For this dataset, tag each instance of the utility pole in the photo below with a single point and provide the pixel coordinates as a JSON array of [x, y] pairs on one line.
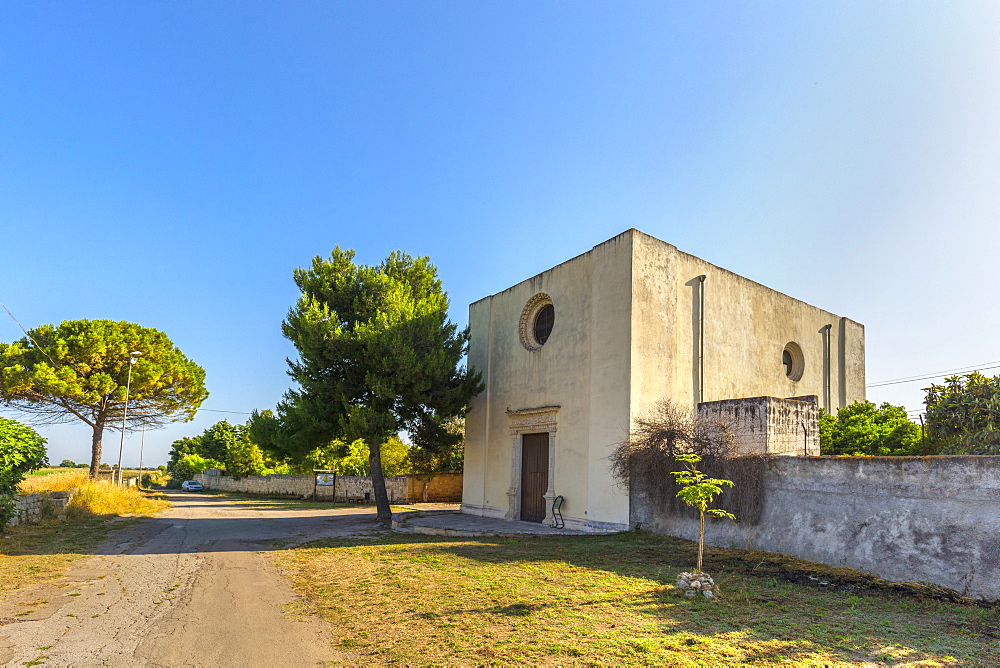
[[132, 356]]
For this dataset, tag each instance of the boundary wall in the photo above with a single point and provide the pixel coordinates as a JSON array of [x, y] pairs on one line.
[[401, 489], [29, 508], [924, 519]]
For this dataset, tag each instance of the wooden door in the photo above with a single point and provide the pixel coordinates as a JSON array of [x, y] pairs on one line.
[[534, 476]]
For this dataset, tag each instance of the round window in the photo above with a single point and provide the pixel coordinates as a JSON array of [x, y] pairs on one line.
[[537, 320], [792, 360], [543, 323]]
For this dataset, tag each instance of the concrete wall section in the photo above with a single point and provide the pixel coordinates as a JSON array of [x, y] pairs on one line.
[[792, 427], [927, 519], [769, 425], [300, 486]]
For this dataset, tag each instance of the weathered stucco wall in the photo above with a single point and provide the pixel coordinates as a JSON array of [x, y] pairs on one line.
[[927, 519], [626, 335], [769, 425], [746, 327], [583, 369]]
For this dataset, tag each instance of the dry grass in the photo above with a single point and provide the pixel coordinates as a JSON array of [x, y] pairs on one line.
[[95, 498], [417, 600], [104, 498], [54, 482]]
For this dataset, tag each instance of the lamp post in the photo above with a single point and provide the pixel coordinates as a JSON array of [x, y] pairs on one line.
[[132, 356]]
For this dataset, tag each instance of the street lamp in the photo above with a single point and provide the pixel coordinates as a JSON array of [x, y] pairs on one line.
[[132, 356]]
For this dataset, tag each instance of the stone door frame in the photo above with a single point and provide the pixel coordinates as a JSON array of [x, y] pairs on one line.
[[531, 421]]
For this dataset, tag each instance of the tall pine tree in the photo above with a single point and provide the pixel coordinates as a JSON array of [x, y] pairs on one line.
[[377, 355]]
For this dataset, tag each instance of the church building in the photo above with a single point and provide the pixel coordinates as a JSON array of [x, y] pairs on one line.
[[571, 356]]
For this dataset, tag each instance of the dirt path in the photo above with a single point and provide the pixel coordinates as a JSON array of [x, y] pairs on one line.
[[187, 588]]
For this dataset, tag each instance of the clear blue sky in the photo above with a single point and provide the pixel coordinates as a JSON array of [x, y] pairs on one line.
[[170, 163]]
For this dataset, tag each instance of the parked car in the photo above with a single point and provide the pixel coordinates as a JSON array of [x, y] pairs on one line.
[[191, 486]]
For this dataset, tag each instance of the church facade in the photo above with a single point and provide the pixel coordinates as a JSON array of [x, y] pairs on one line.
[[569, 357]]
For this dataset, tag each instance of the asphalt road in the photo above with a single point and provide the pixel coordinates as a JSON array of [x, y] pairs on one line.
[[186, 588]]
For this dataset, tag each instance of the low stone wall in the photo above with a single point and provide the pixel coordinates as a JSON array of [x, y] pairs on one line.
[[346, 488], [30, 508], [357, 488], [300, 486], [439, 488], [926, 519]]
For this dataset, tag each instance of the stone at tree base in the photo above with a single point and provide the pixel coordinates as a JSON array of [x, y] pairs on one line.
[[692, 584]]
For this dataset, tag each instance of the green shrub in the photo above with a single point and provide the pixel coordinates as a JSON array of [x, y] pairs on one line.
[[963, 415], [864, 429], [22, 451], [189, 465]]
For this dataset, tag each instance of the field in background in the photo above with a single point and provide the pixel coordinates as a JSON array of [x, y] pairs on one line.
[[422, 600], [51, 470], [53, 480]]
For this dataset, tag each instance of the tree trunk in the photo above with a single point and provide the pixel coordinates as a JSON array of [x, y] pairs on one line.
[[95, 449], [378, 480], [701, 538]]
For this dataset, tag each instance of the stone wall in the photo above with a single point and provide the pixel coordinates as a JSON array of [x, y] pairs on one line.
[[442, 487], [300, 486], [926, 519], [401, 489], [768, 424], [30, 508]]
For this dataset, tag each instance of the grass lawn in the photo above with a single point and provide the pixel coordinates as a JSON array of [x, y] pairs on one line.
[[603, 600]]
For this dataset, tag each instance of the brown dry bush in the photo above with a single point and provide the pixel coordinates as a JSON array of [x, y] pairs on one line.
[[646, 459]]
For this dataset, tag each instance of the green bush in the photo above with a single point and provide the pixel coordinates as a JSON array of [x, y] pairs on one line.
[[963, 415], [863, 429], [22, 451], [189, 465]]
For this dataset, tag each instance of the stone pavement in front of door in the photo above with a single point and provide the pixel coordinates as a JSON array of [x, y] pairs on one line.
[[456, 523]]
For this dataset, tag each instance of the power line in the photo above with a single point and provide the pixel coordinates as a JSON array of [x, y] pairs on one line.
[[28, 335], [910, 379], [213, 410]]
